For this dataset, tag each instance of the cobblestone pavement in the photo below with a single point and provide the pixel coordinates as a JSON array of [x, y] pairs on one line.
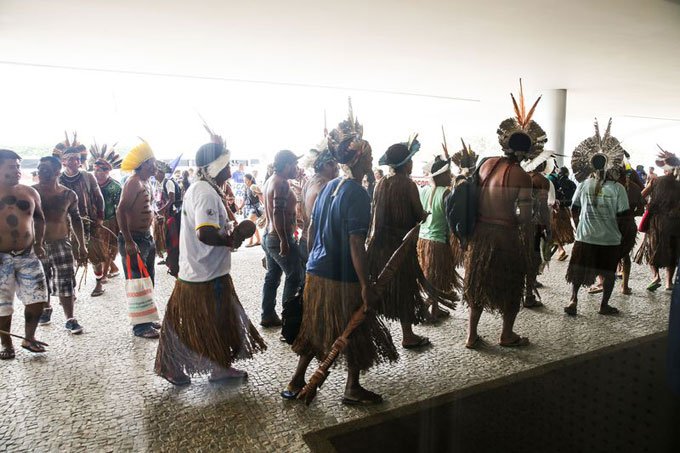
[[98, 392]]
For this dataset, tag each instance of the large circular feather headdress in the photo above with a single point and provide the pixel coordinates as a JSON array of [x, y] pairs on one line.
[[522, 124], [465, 159], [345, 141], [104, 156], [604, 147]]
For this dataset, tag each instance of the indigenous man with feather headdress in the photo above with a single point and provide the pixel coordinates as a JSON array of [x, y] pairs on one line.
[[664, 226], [499, 251], [325, 169], [90, 200], [466, 161], [206, 329], [434, 251], [337, 282], [134, 220], [598, 203], [104, 160], [397, 209]]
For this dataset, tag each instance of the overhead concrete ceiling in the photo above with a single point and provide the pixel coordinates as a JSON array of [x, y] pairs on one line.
[[620, 57]]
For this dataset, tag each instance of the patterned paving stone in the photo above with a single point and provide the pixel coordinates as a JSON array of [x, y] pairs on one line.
[[98, 392]]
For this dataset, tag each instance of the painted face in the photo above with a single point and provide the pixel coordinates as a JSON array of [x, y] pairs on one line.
[[71, 162], [10, 172], [101, 174], [47, 172]]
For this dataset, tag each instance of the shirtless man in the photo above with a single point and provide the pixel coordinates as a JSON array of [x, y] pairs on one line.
[[281, 250], [495, 272], [325, 169], [22, 226], [134, 219], [59, 205]]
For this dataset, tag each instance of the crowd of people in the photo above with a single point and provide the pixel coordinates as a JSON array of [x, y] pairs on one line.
[[340, 233]]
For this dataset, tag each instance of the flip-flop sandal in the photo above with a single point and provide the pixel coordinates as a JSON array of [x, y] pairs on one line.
[[177, 381], [34, 348], [369, 399], [608, 311], [97, 293], [517, 343], [534, 304], [562, 257], [290, 394], [595, 290], [7, 354], [669, 288], [424, 341], [653, 286], [571, 311], [475, 343], [113, 274]]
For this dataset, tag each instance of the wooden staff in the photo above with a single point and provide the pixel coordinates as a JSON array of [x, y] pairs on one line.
[[35, 342], [319, 377]]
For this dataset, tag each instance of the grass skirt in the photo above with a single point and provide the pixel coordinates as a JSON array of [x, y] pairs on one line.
[[642, 254], [205, 326], [496, 265], [664, 241], [328, 308], [561, 227], [103, 246], [159, 233], [628, 229], [589, 260], [457, 251], [437, 261], [403, 298]]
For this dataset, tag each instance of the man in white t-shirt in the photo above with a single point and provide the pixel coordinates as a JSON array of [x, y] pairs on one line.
[[205, 327], [596, 204]]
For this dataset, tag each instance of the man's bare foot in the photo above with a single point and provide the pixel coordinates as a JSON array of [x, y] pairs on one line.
[[98, 290], [473, 343], [627, 291], [224, 374], [359, 396], [415, 341], [7, 353], [32, 347], [177, 378], [513, 341], [571, 308]]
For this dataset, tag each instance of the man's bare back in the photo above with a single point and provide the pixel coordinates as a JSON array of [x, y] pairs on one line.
[[57, 206], [137, 195], [310, 192], [506, 185], [277, 186], [17, 207]]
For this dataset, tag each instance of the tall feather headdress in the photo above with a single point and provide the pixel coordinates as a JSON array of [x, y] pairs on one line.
[[466, 158], [606, 145], [60, 147], [340, 139], [522, 123], [104, 155]]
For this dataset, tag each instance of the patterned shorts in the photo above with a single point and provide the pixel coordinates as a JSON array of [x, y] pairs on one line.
[[23, 276], [59, 268]]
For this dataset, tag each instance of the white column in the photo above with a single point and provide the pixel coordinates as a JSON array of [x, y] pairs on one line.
[[551, 114]]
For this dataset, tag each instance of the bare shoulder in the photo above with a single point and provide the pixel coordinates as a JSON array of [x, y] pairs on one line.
[[519, 177], [29, 191], [487, 165]]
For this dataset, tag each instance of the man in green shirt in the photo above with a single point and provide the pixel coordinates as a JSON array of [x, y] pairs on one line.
[[434, 251], [107, 237]]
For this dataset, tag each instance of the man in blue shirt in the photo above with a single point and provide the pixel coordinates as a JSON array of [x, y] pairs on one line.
[[337, 278]]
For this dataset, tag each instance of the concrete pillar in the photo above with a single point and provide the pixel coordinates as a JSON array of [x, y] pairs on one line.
[[551, 114]]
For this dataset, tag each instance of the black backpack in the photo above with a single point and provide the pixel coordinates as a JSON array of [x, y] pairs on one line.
[[462, 205], [178, 194]]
